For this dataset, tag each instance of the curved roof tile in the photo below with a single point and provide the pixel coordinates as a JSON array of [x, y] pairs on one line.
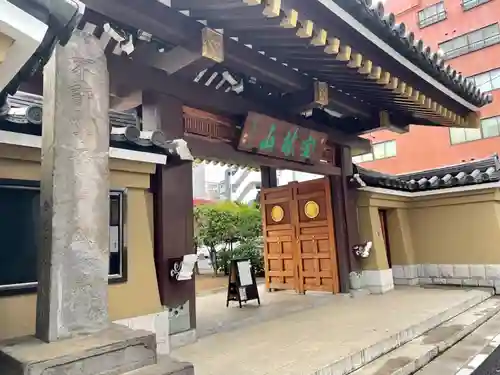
[[372, 14]]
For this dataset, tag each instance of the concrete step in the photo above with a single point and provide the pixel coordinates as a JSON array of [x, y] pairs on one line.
[[464, 357], [412, 356], [357, 360], [166, 366]]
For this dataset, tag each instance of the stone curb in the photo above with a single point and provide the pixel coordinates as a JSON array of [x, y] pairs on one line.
[[357, 360], [442, 346]]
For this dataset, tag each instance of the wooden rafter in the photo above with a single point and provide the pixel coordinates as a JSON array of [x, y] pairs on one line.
[[327, 52]]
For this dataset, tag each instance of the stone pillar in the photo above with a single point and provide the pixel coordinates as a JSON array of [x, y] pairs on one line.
[[173, 215], [73, 261], [72, 305]]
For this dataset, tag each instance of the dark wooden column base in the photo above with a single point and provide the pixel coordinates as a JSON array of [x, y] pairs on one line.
[[268, 177], [346, 219], [172, 187]]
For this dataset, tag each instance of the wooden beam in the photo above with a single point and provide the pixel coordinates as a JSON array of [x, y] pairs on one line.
[[127, 76], [320, 95], [171, 26], [180, 60], [132, 100], [211, 149]]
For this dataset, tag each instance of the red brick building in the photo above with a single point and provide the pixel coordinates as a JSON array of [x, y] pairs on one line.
[[468, 34]]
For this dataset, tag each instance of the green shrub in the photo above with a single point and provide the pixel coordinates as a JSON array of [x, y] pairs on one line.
[[251, 249]]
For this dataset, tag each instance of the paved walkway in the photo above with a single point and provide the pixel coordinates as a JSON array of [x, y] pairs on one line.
[[297, 335]]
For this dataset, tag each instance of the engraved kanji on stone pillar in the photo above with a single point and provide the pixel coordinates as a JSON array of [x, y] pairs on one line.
[[73, 261]]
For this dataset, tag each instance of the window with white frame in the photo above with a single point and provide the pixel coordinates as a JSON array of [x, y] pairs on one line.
[[490, 127], [382, 150], [470, 42], [432, 14], [20, 227], [469, 4], [487, 81], [362, 158]]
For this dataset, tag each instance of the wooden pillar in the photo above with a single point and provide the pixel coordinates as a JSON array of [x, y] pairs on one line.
[[172, 187], [268, 177], [345, 215]]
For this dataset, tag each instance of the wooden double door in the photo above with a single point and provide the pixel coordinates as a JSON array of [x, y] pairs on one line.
[[299, 243]]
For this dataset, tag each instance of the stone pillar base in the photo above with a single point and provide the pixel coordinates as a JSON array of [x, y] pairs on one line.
[[116, 350], [378, 281], [166, 366], [178, 340]]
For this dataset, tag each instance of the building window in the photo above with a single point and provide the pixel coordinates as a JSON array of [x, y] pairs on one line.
[[20, 228], [382, 150], [490, 127], [432, 14], [469, 4], [470, 42], [487, 81], [362, 158]]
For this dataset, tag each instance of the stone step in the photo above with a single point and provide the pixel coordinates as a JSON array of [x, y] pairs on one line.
[[361, 358], [464, 357], [166, 366], [418, 352]]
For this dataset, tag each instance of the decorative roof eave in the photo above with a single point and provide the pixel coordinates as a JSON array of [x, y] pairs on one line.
[[224, 164], [374, 19], [365, 72], [469, 173], [120, 136]]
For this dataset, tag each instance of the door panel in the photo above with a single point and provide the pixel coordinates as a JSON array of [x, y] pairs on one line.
[[316, 255], [279, 238], [299, 246]]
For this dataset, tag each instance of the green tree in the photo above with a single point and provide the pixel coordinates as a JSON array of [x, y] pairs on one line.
[[216, 225], [224, 224]]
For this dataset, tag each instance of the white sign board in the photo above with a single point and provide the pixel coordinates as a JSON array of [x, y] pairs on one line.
[[114, 239], [245, 272]]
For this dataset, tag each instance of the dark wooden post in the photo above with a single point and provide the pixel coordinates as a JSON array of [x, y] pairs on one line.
[[346, 222], [268, 177], [173, 212]]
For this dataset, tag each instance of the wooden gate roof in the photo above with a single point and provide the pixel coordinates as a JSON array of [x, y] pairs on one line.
[[348, 55], [356, 48]]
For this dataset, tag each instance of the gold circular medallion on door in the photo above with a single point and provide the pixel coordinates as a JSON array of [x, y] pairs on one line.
[[277, 214], [311, 209]]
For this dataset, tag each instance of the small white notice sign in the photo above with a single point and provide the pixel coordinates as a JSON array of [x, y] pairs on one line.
[[245, 272], [114, 236], [188, 262]]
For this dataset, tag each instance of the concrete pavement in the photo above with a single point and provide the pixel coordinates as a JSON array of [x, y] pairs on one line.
[[317, 333]]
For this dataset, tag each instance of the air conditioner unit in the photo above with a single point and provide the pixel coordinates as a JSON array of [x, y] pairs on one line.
[[29, 31]]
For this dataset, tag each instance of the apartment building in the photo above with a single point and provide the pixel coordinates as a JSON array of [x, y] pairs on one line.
[[467, 32]]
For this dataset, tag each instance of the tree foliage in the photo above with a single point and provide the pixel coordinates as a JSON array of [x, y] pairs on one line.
[[223, 224]]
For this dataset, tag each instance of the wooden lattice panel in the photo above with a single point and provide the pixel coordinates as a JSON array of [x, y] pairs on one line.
[[209, 125]]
